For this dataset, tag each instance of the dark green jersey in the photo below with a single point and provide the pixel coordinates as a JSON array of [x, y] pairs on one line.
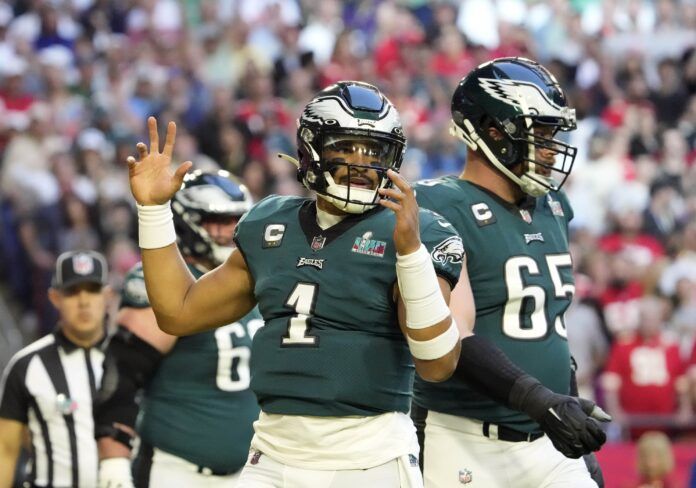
[[521, 276], [198, 405], [332, 344]]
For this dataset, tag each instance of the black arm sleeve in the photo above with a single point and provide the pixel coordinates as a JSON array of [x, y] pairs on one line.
[[129, 363], [487, 370]]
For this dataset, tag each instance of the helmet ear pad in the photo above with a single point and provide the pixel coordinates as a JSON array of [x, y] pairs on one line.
[[309, 169], [508, 151]]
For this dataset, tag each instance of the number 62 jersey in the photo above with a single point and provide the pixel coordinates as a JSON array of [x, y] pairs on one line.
[[198, 405], [521, 276], [332, 345]]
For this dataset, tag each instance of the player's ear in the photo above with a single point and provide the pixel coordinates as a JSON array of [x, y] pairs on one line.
[[495, 134]]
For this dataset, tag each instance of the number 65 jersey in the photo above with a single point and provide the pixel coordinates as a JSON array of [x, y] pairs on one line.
[[332, 345], [521, 276]]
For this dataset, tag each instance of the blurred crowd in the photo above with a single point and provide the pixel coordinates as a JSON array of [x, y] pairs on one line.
[[79, 77]]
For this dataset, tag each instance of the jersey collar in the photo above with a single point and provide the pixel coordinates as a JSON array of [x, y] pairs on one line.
[[527, 202], [310, 228]]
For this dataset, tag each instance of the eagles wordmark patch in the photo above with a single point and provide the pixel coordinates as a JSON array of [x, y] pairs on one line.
[[533, 237], [317, 263]]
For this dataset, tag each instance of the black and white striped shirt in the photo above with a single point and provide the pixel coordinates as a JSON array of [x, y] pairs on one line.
[[49, 385]]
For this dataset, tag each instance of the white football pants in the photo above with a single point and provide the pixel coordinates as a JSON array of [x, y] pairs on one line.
[[458, 455], [261, 471], [169, 471]]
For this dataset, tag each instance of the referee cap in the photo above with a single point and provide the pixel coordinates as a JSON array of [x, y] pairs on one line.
[[75, 267]]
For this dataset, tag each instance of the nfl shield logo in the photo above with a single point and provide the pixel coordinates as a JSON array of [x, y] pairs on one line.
[[465, 476], [318, 242], [83, 264], [556, 207], [526, 216]]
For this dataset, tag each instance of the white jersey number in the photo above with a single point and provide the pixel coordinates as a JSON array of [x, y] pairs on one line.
[[649, 367], [233, 362], [302, 300], [518, 292]]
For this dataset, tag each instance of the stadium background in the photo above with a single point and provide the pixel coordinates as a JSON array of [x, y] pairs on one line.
[[79, 77]]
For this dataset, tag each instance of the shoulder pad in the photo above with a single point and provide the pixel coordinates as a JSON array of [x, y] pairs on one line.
[[270, 205]]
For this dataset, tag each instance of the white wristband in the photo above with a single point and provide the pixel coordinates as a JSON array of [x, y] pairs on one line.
[[420, 290], [155, 226], [436, 347]]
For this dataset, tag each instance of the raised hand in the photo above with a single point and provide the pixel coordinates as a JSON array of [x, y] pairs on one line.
[[402, 200], [152, 180]]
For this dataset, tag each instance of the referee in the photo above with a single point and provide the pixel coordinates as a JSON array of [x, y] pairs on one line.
[[48, 386]]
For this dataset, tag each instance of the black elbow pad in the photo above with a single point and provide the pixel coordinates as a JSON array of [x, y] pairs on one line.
[[129, 362]]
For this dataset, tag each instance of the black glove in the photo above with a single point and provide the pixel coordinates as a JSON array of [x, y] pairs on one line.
[[594, 468], [568, 421]]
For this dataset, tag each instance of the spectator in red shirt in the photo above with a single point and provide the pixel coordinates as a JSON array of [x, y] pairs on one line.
[[645, 375]]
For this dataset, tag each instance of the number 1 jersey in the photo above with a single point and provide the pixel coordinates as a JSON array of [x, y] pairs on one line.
[[332, 345]]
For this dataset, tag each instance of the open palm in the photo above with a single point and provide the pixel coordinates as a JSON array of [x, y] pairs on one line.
[[152, 180]]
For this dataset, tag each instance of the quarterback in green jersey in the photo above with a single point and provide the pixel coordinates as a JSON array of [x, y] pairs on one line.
[[353, 286], [196, 411], [513, 219]]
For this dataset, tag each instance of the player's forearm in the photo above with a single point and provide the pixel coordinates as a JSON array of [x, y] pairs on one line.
[[8, 463], [425, 318], [111, 448], [440, 369], [487, 370]]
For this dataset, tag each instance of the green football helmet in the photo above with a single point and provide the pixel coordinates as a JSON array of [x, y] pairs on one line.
[[346, 117], [516, 96]]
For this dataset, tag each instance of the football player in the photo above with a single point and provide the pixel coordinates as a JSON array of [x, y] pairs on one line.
[[350, 293], [196, 411], [508, 207]]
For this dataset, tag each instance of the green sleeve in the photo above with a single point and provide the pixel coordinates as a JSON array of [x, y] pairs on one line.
[[444, 245]]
